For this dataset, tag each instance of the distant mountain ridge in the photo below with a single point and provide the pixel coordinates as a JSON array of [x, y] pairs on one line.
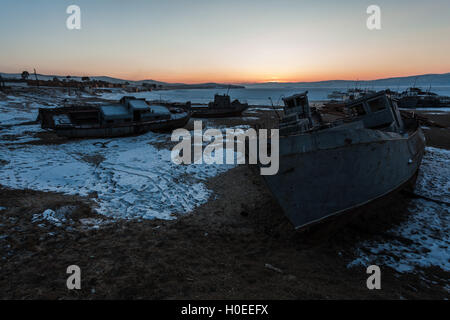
[[209, 85], [424, 80]]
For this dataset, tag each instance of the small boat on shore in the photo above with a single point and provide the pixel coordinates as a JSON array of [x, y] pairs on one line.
[[350, 94], [326, 169], [417, 98], [221, 107], [130, 116]]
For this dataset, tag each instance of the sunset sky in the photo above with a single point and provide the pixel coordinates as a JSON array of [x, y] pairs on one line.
[[196, 41]]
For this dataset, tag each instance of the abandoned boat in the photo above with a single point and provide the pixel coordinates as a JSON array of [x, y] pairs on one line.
[[417, 98], [221, 107], [329, 168], [130, 116]]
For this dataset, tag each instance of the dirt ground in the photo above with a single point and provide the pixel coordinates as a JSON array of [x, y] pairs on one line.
[[437, 137], [239, 245]]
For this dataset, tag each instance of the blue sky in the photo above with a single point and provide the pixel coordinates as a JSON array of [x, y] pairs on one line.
[[226, 41]]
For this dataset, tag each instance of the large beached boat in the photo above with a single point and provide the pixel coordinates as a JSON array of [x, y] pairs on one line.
[[128, 117], [329, 168]]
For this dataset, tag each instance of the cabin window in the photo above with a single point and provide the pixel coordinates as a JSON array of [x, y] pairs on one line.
[[358, 110], [377, 105]]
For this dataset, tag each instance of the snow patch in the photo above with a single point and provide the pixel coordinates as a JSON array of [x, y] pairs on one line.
[[135, 179], [94, 223], [50, 216]]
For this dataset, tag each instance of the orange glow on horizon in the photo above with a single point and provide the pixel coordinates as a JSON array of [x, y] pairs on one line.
[[235, 77], [242, 79]]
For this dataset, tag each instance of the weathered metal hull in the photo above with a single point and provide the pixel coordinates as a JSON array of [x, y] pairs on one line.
[[122, 130], [326, 173]]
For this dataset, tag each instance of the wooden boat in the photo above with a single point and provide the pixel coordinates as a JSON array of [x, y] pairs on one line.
[[221, 107], [130, 116], [326, 169]]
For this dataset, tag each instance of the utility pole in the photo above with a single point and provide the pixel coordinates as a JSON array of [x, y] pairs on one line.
[[37, 81]]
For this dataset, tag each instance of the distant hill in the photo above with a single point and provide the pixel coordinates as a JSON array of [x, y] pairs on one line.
[[78, 78], [116, 80], [424, 80]]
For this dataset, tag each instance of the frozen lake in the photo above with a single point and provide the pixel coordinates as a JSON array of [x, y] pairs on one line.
[[251, 94]]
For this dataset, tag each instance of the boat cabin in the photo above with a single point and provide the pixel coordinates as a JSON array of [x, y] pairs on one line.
[[297, 104], [131, 109], [376, 111], [373, 111], [298, 115], [224, 102], [220, 102]]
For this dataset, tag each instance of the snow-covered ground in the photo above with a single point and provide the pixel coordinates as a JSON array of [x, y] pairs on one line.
[[132, 177], [11, 114], [133, 180], [16, 113], [424, 239]]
